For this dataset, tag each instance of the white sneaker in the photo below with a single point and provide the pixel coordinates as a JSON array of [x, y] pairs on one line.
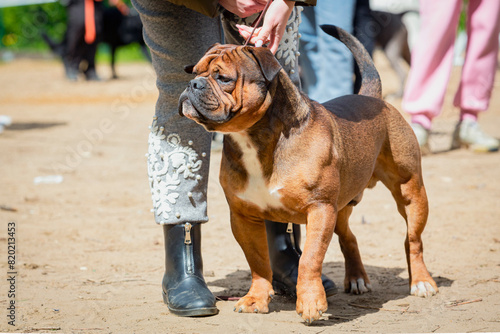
[[468, 134], [5, 120], [422, 135]]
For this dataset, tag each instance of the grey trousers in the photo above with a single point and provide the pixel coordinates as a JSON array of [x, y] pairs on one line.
[[179, 149]]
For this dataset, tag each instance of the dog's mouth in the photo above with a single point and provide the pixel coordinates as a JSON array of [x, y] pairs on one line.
[[186, 108], [209, 119]]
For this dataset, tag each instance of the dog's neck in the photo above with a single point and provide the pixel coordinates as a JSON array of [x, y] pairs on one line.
[[286, 116], [289, 104], [288, 111]]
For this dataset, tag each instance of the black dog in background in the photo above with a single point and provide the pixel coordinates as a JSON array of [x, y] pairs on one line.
[[392, 39], [117, 30], [388, 32]]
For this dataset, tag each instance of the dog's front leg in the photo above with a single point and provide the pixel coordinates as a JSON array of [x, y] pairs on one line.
[[251, 235], [311, 297]]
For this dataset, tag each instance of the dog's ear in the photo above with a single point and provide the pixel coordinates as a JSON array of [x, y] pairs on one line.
[[268, 64], [189, 69]]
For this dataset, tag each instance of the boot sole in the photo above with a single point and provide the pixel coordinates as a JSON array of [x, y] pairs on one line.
[[197, 312]]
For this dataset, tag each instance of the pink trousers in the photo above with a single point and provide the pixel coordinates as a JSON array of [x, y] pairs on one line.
[[432, 59]]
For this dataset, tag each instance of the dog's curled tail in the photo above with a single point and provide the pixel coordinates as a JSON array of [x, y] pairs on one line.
[[370, 79]]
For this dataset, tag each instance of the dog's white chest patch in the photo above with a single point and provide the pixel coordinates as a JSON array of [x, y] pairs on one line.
[[257, 190]]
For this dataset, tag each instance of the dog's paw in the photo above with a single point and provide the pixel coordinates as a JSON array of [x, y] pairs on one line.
[[311, 305], [357, 286], [253, 304], [423, 289]]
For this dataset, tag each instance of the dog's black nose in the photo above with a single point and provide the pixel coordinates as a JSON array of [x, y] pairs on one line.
[[198, 83]]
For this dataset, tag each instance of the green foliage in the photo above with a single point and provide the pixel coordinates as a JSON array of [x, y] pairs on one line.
[[129, 53], [23, 25], [21, 28], [463, 17]]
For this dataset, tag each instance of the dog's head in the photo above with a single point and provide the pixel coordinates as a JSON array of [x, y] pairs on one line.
[[231, 90]]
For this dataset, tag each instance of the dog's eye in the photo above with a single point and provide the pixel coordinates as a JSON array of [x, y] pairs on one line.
[[223, 78], [217, 75]]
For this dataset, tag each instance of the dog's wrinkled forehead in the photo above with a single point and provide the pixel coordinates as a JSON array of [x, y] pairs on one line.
[[222, 52], [246, 57]]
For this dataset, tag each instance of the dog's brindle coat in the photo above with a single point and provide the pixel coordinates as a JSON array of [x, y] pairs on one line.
[[289, 159]]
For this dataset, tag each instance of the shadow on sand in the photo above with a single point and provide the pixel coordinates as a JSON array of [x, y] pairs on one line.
[[342, 307], [22, 126]]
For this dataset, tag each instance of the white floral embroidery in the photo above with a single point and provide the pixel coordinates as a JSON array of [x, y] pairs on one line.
[[289, 45], [182, 161]]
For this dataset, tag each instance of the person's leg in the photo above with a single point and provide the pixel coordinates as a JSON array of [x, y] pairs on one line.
[[364, 25], [179, 151], [363, 30], [91, 49], [74, 38], [431, 60], [308, 47], [283, 241], [335, 78], [478, 73]]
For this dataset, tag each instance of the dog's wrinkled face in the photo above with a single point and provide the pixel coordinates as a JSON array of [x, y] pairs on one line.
[[231, 90]]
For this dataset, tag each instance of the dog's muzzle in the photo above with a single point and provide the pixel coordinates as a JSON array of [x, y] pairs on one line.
[[200, 103]]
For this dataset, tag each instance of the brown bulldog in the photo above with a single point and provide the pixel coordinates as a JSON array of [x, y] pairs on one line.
[[289, 159]]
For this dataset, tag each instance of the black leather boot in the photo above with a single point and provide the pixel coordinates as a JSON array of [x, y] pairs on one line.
[[184, 289], [283, 241]]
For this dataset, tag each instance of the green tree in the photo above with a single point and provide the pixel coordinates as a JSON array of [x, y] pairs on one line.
[[23, 25]]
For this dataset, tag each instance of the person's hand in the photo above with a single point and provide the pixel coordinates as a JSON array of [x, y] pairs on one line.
[[274, 25], [243, 8]]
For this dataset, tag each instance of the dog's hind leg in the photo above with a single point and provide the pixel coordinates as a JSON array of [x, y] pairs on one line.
[[409, 192], [356, 281], [415, 212]]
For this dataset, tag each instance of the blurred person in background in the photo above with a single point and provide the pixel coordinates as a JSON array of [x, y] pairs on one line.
[[431, 63], [84, 25], [326, 64]]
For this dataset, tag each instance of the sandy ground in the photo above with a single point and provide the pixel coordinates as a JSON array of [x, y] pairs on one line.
[[89, 258]]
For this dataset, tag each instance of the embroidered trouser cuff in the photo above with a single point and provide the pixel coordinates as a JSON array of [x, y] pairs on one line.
[[179, 149]]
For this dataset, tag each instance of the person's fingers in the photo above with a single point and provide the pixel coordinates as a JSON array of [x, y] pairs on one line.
[[244, 28], [261, 35], [274, 43], [245, 32]]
